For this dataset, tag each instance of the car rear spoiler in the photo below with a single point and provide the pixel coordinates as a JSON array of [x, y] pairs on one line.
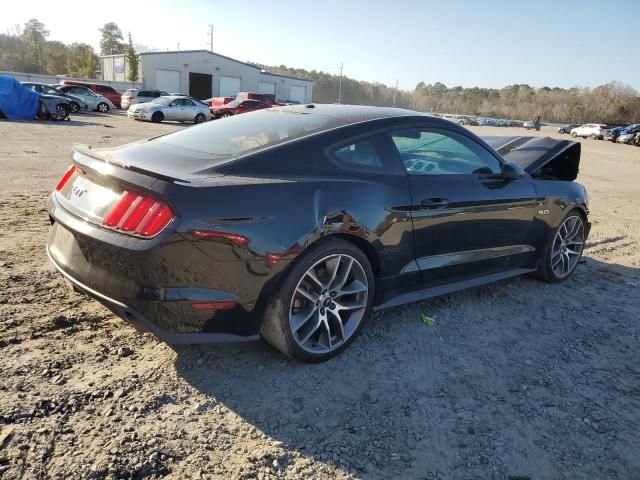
[[540, 156]]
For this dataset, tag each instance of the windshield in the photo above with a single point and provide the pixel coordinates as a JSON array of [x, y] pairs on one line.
[[233, 103], [242, 134]]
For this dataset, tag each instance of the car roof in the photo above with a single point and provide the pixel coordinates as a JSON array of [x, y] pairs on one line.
[[353, 113]]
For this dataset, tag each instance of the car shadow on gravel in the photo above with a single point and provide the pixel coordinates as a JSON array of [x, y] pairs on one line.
[[518, 379]]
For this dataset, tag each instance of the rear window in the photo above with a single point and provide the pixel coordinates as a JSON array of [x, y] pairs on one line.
[[242, 134]]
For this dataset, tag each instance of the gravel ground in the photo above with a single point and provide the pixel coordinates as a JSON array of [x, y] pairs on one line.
[[518, 379]]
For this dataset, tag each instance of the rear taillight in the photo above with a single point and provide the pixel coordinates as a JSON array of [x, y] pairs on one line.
[[140, 214], [65, 178]]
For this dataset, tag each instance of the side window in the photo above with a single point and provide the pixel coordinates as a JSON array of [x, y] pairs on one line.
[[359, 155], [439, 152], [188, 103]]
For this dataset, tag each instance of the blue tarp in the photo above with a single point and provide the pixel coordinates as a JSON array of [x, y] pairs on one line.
[[17, 102]]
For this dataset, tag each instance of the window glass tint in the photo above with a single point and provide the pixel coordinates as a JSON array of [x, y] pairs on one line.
[[242, 134], [188, 103], [360, 155], [442, 153]]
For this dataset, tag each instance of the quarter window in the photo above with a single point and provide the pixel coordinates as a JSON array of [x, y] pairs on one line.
[[439, 152], [360, 155]]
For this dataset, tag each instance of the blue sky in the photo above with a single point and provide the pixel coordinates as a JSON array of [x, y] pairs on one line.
[[490, 43]]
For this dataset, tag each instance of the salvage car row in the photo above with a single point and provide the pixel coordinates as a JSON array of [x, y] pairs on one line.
[[629, 134]]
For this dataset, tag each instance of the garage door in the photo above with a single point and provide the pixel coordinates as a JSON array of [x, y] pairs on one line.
[[229, 86], [168, 80], [298, 93], [266, 87]]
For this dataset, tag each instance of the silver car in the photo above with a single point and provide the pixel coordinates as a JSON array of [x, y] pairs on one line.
[[133, 96], [93, 100], [171, 107]]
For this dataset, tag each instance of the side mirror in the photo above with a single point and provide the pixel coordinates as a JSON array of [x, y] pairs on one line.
[[512, 170]]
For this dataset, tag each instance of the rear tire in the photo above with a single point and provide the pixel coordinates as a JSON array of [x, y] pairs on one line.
[[593, 136], [321, 303], [564, 248], [225, 114], [157, 117]]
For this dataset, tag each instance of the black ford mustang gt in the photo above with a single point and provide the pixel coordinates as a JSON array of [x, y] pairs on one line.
[[293, 223]]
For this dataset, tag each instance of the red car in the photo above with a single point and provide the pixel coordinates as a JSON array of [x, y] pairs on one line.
[[237, 107], [217, 102], [99, 88], [267, 98]]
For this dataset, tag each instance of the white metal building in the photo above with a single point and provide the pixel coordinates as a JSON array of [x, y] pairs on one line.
[[205, 74]]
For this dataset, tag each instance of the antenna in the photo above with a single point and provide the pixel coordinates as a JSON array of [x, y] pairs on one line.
[[210, 38]]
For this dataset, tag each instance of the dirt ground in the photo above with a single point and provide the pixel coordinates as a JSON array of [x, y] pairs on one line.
[[517, 380]]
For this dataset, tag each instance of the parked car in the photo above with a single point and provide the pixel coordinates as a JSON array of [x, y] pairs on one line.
[[76, 103], [134, 96], [611, 134], [18, 102], [285, 223], [237, 107], [591, 130], [627, 135], [175, 108], [567, 128], [216, 102], [93, 100], [267, 98], [99, 89]]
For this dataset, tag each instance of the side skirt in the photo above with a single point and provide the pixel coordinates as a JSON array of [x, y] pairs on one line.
[[430, 292]]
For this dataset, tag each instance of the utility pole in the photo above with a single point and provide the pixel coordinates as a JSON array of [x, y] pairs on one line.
[[178, 46], [395, 92], [340, 85], [211, 38]]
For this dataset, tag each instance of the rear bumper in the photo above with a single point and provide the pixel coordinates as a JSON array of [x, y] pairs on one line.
[[143, 324], [154, 283]]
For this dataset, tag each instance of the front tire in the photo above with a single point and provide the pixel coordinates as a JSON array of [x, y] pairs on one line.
[[157, 117], [75, 108], [103, 107], [200, 118], [322, 302], [61, 113], [574, 134], [564, 248]]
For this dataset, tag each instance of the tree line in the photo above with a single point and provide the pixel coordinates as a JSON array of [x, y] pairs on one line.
[[28, 50], [610, 103]]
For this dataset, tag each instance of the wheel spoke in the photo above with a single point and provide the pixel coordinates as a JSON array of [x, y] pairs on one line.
[[312, 330], [334, 273], [311, 274], [300, 319], [306, 294], [354, 287], [349, 306], [342, 279], [338, 322]]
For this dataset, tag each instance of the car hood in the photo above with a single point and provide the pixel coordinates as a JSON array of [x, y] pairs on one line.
[[535, 154]]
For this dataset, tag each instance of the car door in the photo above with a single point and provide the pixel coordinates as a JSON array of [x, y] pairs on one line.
[[469, 217], [189, 110], [175, 110]]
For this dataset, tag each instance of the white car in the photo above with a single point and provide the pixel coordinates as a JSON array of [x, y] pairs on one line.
[[171, 107], [93, 100], [591, 130]]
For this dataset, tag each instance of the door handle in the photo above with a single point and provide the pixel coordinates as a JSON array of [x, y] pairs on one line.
[[433, 203]]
